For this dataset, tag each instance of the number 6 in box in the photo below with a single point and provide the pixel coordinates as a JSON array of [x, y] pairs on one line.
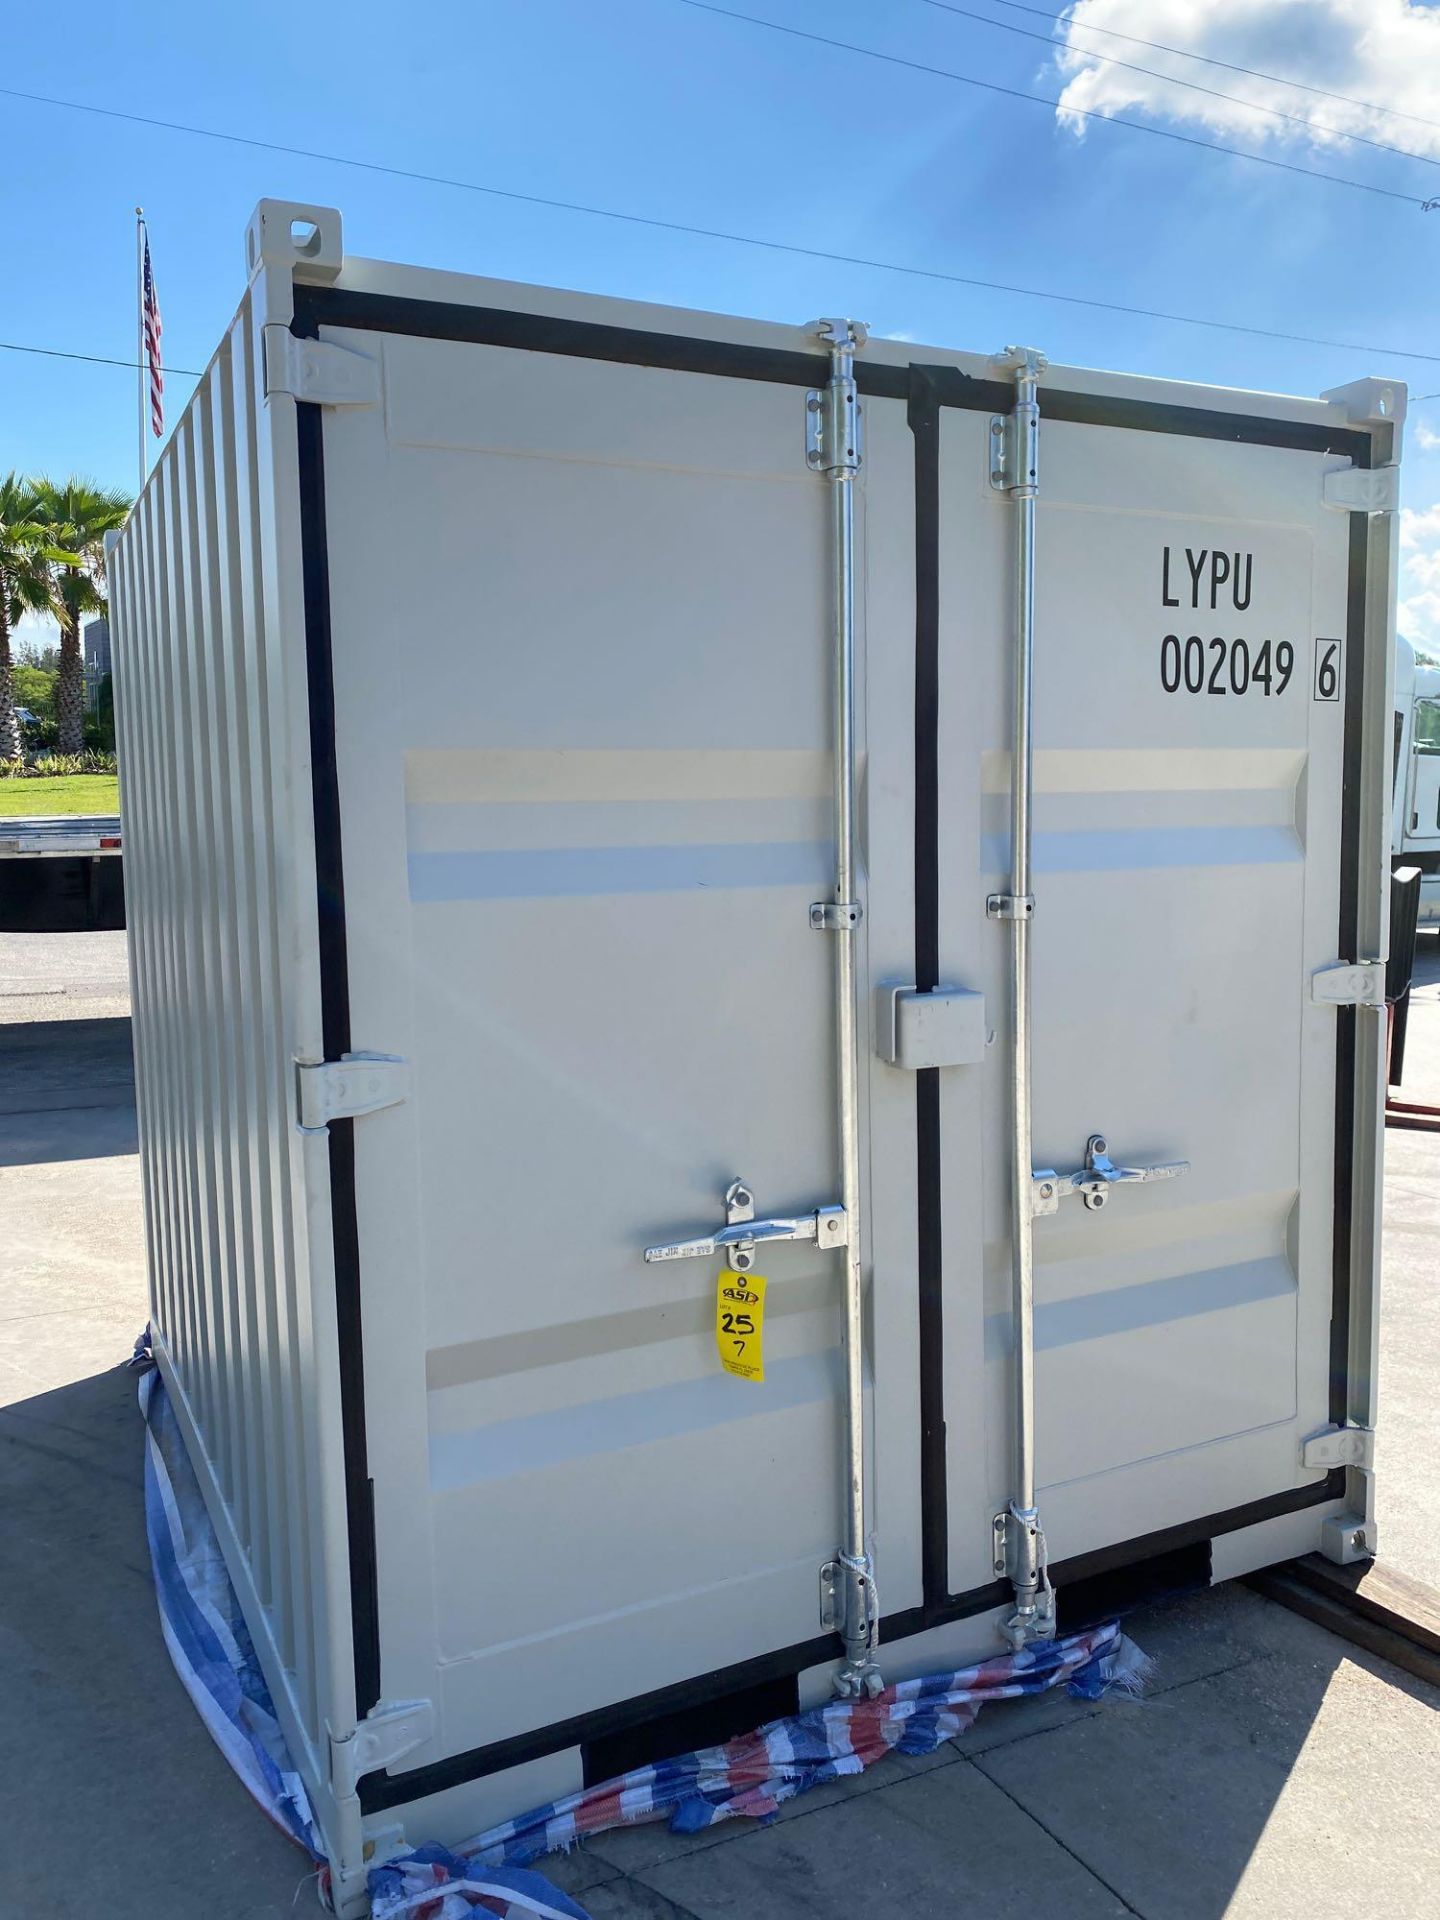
[[1328, 658]]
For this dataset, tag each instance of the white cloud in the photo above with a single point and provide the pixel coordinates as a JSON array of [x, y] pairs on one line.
[[1426, 438], [1419, 528], [1385, 52], [1418, 617]]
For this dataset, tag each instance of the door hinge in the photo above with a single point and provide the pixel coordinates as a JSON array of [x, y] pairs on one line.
[[318, 371], [386, 1734], [1362, 489], [831, 1604], [834, 418], [1339, 1447], [1000, 453], [847, 1584], [1351, 983], [1013, 443], [1018, 1554], [343, 1089]]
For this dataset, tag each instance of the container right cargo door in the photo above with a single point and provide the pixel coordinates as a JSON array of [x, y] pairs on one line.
[[1191, 641]]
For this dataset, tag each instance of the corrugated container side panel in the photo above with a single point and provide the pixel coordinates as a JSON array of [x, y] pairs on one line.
[[162, 1013], [201, 691], [265, 1542], [239, 680], [211, 720], [262, 716], [199, 1077], [289, 922], [219, 1005], [181, 1122], [255, 869], [251, 1251]]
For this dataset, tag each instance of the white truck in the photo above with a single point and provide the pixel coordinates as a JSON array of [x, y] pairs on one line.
[[1415, 837]]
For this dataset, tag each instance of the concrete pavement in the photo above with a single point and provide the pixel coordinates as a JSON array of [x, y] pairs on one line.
[[1267, 1773], [1271, 1771]]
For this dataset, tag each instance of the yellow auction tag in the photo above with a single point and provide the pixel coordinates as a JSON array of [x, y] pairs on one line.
[[740, 1324]]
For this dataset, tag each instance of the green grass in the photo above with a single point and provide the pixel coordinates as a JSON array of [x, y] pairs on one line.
[[70, 793]]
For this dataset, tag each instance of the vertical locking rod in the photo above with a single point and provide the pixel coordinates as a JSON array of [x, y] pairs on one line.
[[835, 453], [1034, 1615]]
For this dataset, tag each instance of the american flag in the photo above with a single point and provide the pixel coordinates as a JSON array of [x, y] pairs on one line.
[[150, 312]]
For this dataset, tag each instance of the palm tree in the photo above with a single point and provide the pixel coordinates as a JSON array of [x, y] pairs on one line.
[[27, 554], [78, 514]]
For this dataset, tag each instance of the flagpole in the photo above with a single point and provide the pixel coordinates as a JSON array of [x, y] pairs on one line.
[[140, 339]]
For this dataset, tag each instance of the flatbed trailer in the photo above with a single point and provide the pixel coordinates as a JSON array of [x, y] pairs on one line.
[[61, 836], [63, 873]]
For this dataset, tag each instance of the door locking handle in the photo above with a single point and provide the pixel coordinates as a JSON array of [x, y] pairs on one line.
[[1094, 1180], [742, 1232]]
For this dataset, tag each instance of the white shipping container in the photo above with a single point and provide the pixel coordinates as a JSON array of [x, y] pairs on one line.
[[501, 907]]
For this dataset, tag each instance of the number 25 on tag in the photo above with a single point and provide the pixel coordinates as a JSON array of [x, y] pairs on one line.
[[740, 1324]]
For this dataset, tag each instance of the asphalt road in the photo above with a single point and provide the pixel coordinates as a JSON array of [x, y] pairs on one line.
[[63, 976]]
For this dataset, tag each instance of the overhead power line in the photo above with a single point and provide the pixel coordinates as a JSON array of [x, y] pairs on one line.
[[800, 251], [95, 359], [1209, 60], [1049, 100], [1194, 86]]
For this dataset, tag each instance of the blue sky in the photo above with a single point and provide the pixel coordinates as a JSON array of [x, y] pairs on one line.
[[656, 108]]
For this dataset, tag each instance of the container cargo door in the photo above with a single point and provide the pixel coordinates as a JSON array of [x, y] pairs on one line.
[[579, 616], [1192, 637]]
